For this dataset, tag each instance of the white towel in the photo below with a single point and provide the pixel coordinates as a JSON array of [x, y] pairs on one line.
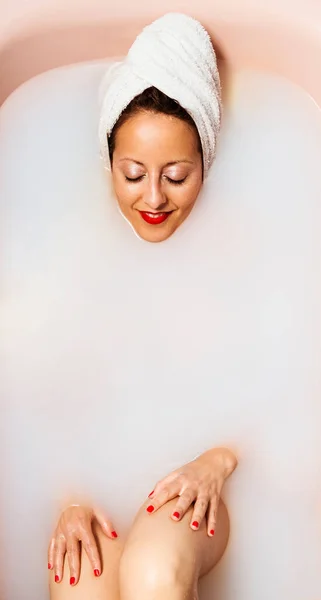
[[175, 55]]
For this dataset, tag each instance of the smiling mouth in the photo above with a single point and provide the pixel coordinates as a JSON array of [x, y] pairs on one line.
[[154, 218]]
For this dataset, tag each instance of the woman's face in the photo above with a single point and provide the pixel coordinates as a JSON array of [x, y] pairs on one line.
[[157, 173]]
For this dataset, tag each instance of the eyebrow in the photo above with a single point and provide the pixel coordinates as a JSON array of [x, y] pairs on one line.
[[169, 164]]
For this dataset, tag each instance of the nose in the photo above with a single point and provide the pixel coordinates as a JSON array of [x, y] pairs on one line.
[[154, 196]]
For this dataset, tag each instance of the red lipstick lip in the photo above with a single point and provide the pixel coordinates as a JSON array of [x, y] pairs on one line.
[[154, 218]]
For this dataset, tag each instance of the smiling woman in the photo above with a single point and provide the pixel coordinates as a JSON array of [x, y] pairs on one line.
[[122, 359], [159, 123], [157, 167], [158, 138]]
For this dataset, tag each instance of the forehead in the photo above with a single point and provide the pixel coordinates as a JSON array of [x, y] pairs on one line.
[[156, 133]]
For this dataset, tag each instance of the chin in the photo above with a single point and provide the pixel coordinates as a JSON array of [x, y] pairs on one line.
[[153, 234]]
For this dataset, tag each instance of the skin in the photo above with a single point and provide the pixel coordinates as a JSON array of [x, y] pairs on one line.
[[158, 560], [161, 154], [186, 501]]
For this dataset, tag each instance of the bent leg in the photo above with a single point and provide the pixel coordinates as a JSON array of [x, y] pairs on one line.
[[89, 587], [165, 559]]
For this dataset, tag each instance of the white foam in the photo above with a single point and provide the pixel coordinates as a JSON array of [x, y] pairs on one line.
[[121, 359]]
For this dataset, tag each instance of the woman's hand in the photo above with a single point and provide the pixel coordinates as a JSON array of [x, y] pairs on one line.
[[74, 526], [199, 482]]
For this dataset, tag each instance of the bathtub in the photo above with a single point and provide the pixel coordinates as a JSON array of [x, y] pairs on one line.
[[84, 405]]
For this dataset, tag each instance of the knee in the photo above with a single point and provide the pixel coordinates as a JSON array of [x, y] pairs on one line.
[[152, 566]]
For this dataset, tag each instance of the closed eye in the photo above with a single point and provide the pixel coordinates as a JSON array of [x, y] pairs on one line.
[[134, 179], [176, 181]]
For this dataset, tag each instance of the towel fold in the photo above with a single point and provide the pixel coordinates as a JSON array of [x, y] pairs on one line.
[[175, 55]]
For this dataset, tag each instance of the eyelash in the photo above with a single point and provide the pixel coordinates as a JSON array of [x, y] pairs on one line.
[[135, 179], [173, 181]]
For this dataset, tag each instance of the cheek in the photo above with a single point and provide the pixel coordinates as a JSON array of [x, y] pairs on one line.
[[125, 194], [187, 195]]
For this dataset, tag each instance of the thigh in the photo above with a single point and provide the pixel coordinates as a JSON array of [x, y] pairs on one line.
[[89, 587], [159, 538]]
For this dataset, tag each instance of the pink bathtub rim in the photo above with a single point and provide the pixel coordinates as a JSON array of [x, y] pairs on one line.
[[288, 47]]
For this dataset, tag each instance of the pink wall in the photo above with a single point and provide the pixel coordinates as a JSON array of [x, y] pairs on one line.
[[283, 36]]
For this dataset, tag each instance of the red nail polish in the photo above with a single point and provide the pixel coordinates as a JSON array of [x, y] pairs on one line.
[[195, 524], [212, 532], [176, 515], [57, 578], [150, 509], [114, 534], [150, 495], [49, 566], [96, 572], [72, 580]]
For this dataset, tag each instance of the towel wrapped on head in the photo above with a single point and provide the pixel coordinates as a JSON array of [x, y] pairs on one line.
[[175, 55]]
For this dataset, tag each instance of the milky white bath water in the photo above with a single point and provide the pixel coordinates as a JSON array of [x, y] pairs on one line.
[[122, 360]]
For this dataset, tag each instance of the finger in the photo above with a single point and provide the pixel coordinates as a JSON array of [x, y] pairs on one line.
[[89, 543], [212, 515], [51, 552], [105, 524], [73, 554], [59, 557], [199, 511], [166, 494], [183, 504], [164, 483]]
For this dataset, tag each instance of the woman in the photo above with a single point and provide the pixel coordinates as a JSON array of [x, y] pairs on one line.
[[158, 130], [163, 104]]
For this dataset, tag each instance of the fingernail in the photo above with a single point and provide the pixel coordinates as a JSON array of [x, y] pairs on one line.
[[150, 495], [150, 508], [49, 566], [72, 580], [212, 532], [114, 534], [195, 524], [57, 578], [96, 572], [176, 515]]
